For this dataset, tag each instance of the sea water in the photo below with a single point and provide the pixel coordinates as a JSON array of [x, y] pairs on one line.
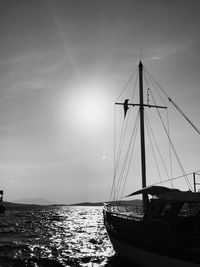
[[55, 236]]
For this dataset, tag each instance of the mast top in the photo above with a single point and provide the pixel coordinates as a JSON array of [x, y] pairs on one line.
[[140, 64]]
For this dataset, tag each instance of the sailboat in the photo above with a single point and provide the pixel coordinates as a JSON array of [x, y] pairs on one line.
[[163, 229], [2, 207]]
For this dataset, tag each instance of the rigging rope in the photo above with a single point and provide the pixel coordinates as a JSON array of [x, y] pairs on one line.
[[173, 102], [146, 80], [154, 155], [122, 135], [130, 158], [149, 129], [184, 115], [125, 87], [170, 148], [177, 177], [123, 132], [175, 153], [149, 90], [121, 175], [154, 83]]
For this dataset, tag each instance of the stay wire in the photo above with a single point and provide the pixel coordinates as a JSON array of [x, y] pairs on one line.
[[123, 131], [177, 158], [153, 84], [122, 137], [154, 101], [170, 148], [121, 172], [117, 157], [177, 177], [175, 105], [114, 148], [157, 147], [119, 150], [130, 158], [148, 131], [121, 175], [128, 82]]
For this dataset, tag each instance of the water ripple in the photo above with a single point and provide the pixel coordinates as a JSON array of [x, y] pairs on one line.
[[54, 236]]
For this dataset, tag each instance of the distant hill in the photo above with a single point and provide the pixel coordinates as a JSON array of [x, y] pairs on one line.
[[88, 204], [44, 202], [33, 201], [18, 206], [125, 202]]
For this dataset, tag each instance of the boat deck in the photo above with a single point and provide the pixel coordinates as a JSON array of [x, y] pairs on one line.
[[130, 212]]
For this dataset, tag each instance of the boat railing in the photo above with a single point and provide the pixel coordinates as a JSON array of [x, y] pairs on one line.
[[125, 210], [1, 196]]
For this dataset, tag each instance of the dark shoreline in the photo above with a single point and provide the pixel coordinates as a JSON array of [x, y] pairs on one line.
[[13, 205], [10, 206]]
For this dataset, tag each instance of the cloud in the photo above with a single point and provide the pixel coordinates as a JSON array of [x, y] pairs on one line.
[[30, 71], [170, 49]]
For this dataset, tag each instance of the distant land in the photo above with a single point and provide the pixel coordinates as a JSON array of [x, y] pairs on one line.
[[125, 202], [11, 206], [18, 206], [44, 202], [88, 204], [33, 201]]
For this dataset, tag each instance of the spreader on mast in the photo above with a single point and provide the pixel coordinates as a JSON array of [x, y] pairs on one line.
[[141, 105]]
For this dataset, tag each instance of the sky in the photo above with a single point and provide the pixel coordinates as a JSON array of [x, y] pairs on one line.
[[62, 65]]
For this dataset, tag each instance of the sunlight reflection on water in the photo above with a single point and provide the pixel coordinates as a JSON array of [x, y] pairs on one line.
[[66, 236]]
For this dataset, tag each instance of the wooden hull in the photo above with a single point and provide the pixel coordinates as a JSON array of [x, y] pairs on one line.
[[2, 209], [146, 258], [153, 242]]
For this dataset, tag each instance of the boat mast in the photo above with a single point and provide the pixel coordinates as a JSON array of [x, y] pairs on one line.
[[141, 106], [142, 136]]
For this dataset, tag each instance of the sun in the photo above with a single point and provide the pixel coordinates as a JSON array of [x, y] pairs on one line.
[[91, 110], [88, 107]]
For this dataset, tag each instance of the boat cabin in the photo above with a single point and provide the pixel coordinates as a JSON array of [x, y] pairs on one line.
[[175, 215], [171, 209]]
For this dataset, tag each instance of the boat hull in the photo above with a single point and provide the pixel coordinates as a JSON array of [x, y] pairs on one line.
[[146, 258], [2, 209]]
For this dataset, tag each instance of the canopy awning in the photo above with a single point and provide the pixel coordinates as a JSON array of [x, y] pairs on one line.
[[154, 191], [166, 193]]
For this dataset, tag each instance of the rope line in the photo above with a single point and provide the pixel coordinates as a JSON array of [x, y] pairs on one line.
[[121, 175], [175, 153], [173, 102], [130, 158], [170, 148], [177, 177], [122, 159], [126, 85], [157, 147], [148, 131]]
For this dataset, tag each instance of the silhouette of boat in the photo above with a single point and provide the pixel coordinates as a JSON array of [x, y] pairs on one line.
[[2, 207], [165, 229]]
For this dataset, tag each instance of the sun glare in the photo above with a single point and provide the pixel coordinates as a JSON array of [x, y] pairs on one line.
[[91, 109]]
